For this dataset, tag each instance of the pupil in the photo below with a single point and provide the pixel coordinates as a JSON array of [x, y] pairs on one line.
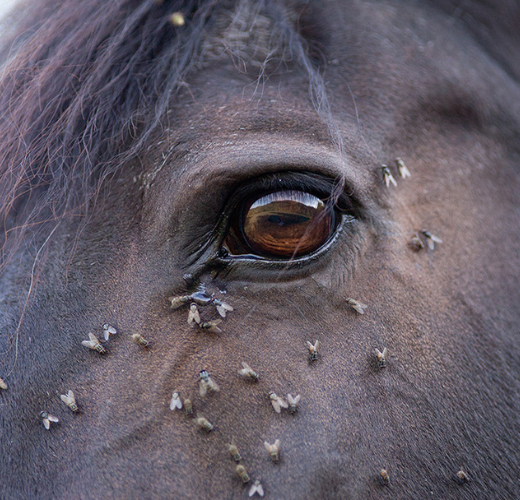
[[287, 219]]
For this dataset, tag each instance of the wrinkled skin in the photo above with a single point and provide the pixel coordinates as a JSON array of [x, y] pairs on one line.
[[448, 398]]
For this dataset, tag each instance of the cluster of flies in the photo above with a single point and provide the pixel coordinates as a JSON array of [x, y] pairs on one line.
[[422, 238], [69, 399], [200, 298], [96, 345], [388, 178], [207, 386]]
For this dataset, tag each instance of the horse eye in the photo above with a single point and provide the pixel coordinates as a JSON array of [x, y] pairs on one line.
[[280, 225]]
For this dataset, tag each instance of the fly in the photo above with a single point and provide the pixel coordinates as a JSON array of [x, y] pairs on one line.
[[108, 330], [70, 400], [175, 402], [387, 176], [359, 307], [47, 418], [313, 350], [207, 383], [403, 171], [94, 344]]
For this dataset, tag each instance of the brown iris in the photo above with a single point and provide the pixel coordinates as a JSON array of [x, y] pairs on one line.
[[283, 224]]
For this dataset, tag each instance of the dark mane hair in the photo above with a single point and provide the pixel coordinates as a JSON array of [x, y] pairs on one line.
[[88, 84]]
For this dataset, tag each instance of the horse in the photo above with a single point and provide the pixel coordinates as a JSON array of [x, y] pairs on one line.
[[270, 246]]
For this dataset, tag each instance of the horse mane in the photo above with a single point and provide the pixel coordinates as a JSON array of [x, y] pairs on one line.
[[86, 87]]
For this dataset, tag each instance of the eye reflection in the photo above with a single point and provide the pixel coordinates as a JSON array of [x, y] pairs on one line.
[[283, 224]]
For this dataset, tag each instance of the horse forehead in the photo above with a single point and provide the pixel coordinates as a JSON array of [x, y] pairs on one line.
[[436, 69]]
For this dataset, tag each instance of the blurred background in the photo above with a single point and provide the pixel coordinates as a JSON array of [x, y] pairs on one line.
[[5, 5]]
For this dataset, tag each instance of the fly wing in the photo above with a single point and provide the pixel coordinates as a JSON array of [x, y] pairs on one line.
[[52, 418], [214, 386], [176, 403], [203, 388], [276, 405], [405, 172], [283, 403], [293, 401], [256, 488], [89, 344], [106, 334], [359, 307], [212, 326], [65, 399], [176, 302], [46, 423], [216, 329], [223, 308], [93, 338]]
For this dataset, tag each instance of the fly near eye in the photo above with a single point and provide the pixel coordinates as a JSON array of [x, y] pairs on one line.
[[283, 224]]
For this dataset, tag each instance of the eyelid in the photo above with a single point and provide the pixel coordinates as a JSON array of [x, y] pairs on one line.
[[212, 259], [233, 162]]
